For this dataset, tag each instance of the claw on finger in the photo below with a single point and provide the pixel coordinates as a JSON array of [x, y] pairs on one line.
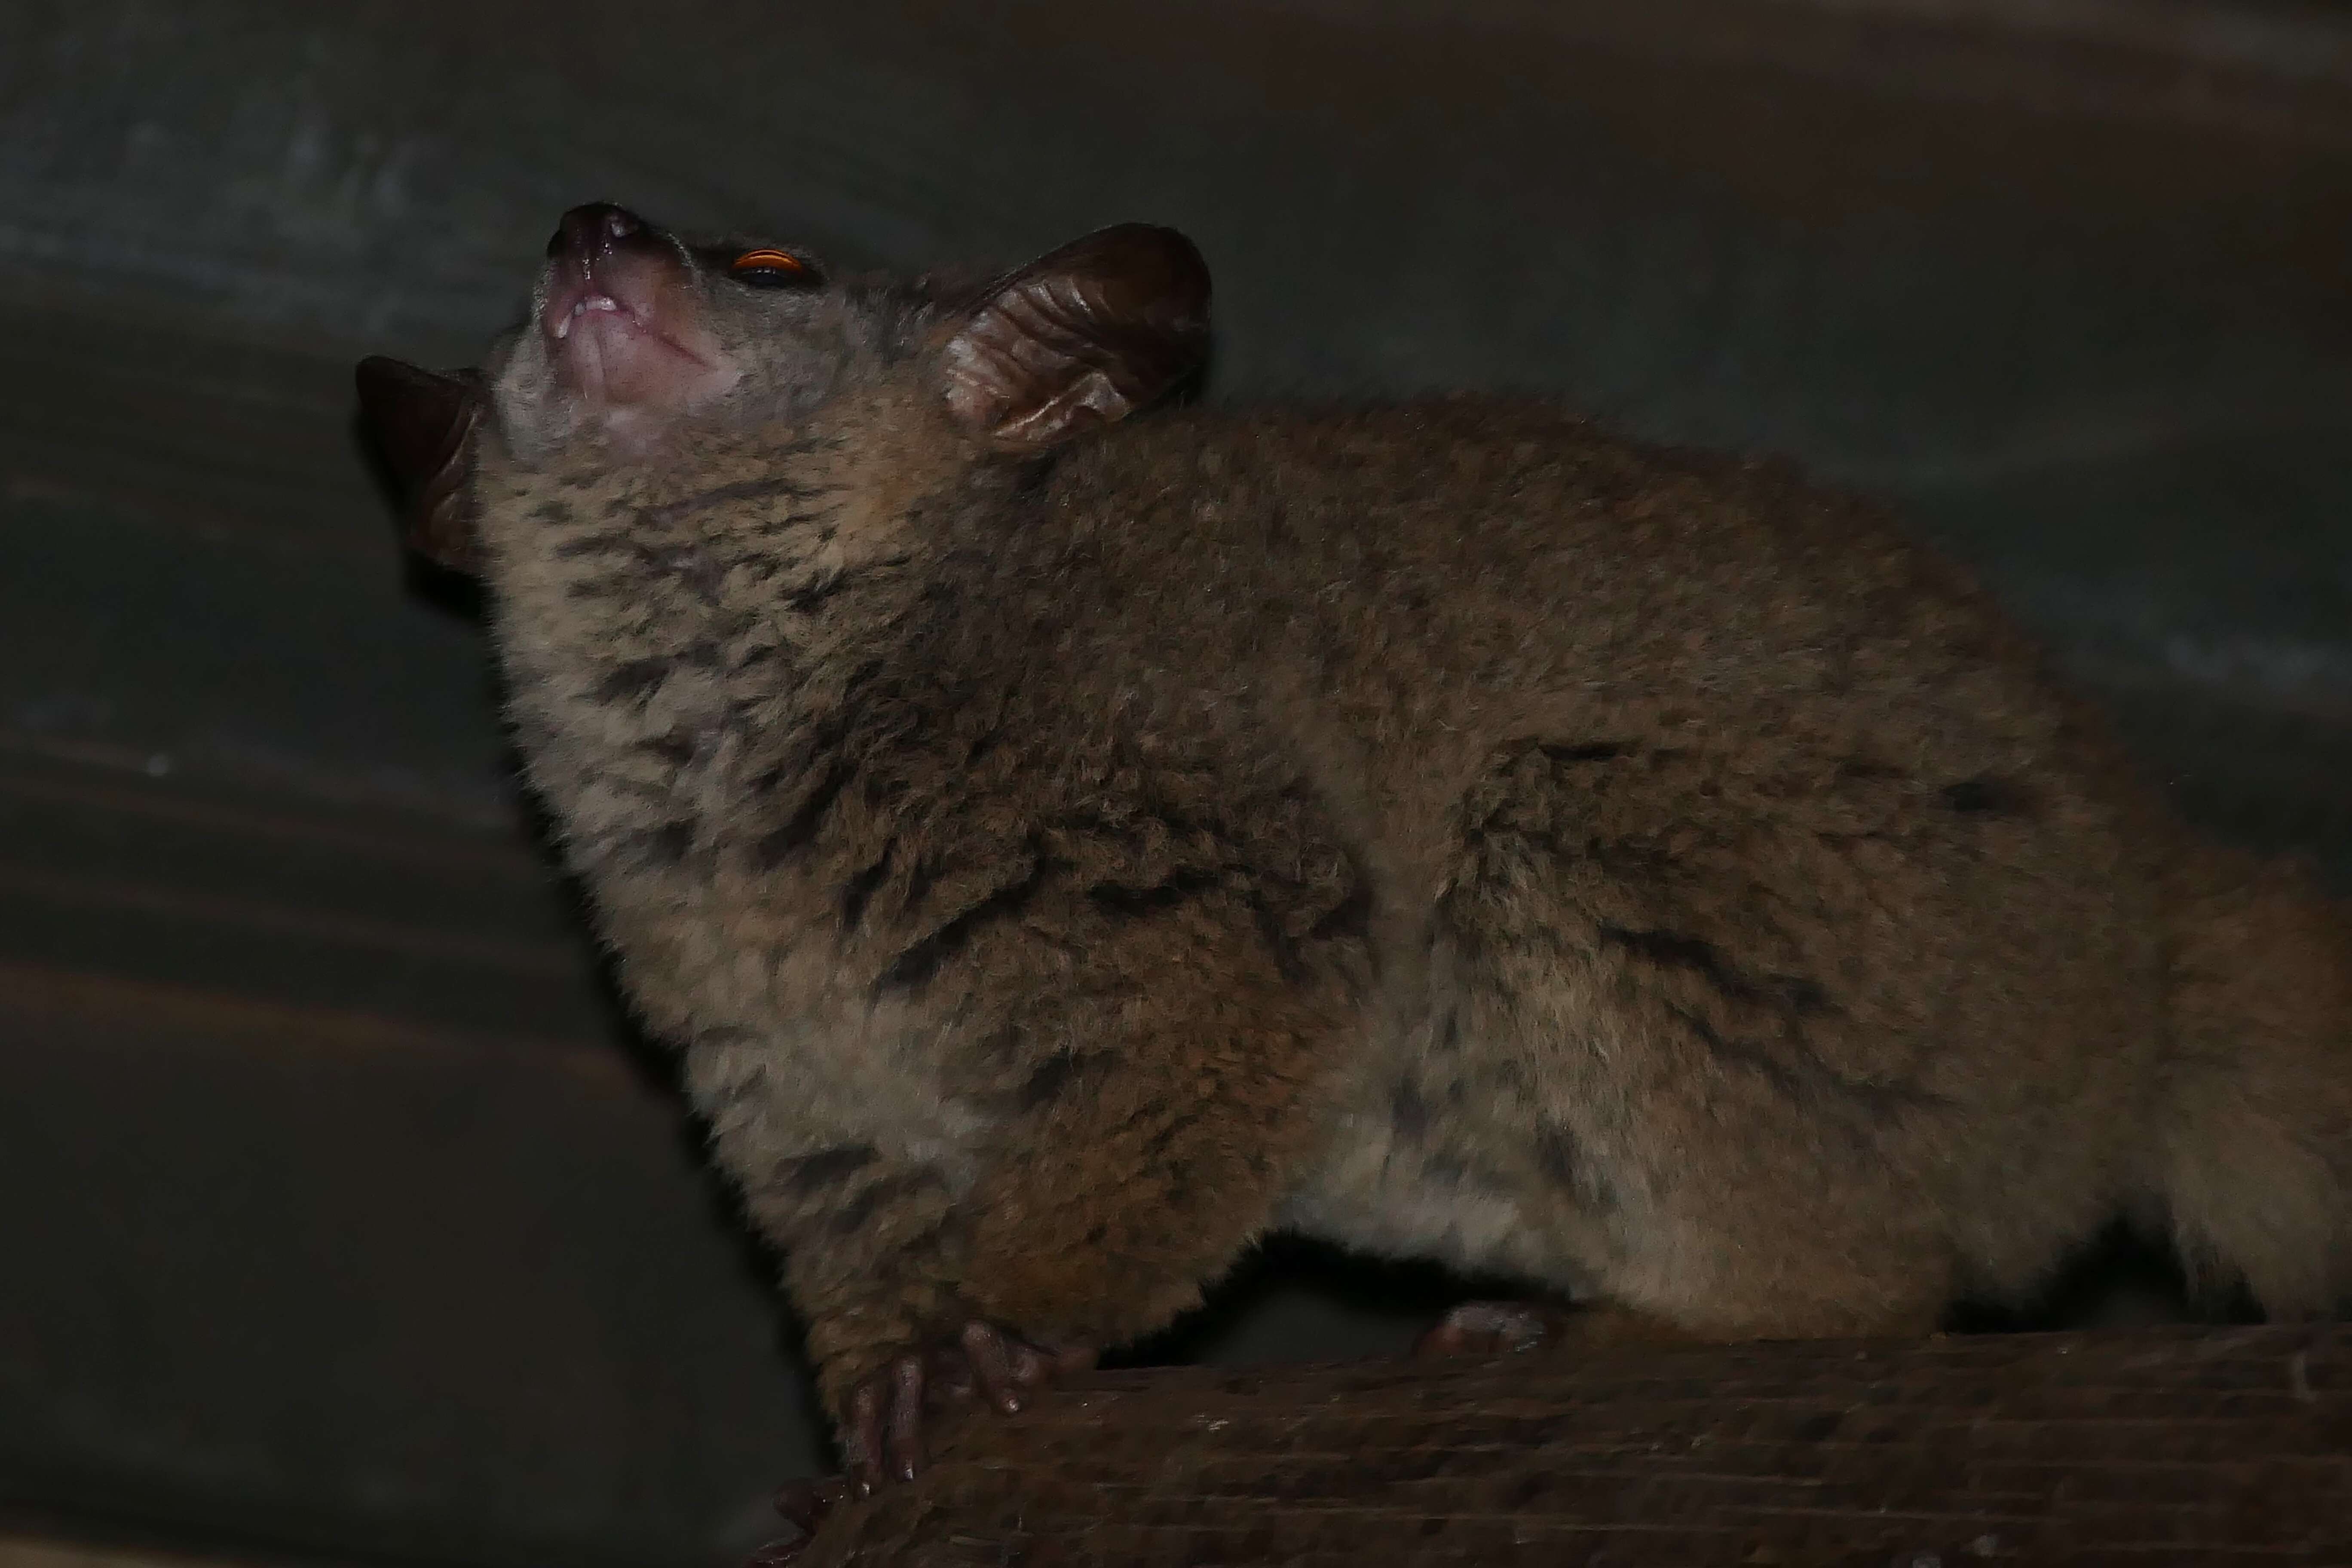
[[903, 1435], [864, 1439], [997, 1364]]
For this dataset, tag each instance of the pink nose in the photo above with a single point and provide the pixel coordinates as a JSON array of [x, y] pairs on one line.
[[594, 229]]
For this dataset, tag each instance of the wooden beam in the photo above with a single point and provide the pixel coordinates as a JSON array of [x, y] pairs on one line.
[[2162, 1447]]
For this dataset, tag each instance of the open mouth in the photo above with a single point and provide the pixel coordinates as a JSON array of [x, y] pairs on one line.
[[599, 302], [608, 329], [560, 327]]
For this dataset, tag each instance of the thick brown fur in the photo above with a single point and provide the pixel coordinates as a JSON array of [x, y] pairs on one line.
[[1449, 828]]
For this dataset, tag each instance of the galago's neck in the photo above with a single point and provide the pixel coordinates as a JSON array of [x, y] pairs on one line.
[[678, 632]]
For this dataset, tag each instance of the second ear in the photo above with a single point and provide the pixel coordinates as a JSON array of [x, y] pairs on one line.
[[424, 422]]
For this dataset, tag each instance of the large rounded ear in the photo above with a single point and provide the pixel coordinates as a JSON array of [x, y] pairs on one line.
[[1080, 337], [424, 422]]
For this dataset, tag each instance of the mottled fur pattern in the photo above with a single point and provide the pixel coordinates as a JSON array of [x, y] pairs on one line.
[[1448, 828]]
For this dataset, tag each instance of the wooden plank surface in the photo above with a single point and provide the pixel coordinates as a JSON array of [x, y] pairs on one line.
[[2160, 1448]]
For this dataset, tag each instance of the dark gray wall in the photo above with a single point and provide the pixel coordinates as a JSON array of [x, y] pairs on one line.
[[336, 1208], [2080, 302]]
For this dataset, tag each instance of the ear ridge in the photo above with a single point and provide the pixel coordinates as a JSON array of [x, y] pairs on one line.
[[1082, 336], [424, 423]]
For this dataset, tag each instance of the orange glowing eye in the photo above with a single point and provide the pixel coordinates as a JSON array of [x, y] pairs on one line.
[[767, 269]]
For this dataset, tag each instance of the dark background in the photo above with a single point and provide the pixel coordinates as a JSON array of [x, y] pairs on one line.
[[338, 1217]]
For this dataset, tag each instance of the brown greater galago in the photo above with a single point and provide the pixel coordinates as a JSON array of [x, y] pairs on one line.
[[1067, 840]]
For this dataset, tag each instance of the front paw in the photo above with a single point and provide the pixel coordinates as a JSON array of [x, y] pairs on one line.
[[884, 1412]]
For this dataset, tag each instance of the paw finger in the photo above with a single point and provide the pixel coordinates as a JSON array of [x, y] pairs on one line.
[[996, 1361], [903, 1426], [863, 1439]]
